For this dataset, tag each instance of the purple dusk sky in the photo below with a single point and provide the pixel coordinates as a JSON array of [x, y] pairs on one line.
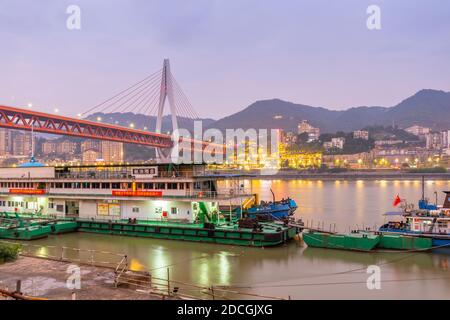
[[225, 54]]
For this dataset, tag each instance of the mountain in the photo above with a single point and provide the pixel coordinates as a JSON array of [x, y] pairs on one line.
[[428, 107]]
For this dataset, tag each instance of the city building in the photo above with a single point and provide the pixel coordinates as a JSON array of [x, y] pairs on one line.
[[352, 161], [338, 143], [434, 141], [445, 139], [305, 127], [5, 141], [379, 143], [48, 147], [21, 144], [419, 131], [361, 134], [66, 146], [112, 151], [89, 144], [90, 156]]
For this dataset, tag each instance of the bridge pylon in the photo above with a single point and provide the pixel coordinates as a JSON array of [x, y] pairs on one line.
[[166, 93]]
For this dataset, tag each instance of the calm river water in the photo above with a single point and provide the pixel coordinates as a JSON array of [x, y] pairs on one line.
[[295, 271]]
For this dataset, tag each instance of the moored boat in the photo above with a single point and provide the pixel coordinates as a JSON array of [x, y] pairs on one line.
[[429, 221], [404, 242], [353, 241]]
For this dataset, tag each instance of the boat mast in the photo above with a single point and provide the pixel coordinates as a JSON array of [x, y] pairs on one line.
[[423, 187]]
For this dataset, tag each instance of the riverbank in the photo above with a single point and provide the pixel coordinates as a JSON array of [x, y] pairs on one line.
[[46, 278], [347, 175]]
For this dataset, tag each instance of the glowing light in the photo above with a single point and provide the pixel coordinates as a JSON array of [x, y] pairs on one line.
[[99, 119], [56, 110]]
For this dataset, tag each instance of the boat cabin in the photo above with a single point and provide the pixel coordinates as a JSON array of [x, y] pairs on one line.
[[157, 191]]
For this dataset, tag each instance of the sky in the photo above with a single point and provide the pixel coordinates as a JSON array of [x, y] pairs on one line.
[[225, 54]]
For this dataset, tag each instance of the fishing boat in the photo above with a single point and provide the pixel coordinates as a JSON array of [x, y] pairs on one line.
[[272, 210], [428, 221]]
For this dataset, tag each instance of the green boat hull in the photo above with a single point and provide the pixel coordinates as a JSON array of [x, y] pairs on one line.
[[228, 236], [64, 227], [402, 242], [25, 233], [357, 242]]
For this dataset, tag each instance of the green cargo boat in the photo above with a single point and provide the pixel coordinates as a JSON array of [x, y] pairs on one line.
[[402, 242], [351, 241], [25, 233], [61, 227], [269, 234]]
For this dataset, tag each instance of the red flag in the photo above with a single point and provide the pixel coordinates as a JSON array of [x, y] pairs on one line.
[[397, 200]]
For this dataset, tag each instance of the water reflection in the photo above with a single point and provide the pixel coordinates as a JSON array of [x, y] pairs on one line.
[[294, 270]]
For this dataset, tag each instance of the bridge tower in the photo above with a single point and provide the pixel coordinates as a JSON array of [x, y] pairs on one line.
[[166, 93]]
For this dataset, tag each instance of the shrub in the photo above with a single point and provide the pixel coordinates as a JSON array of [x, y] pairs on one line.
[[428, 170], [9, 252]]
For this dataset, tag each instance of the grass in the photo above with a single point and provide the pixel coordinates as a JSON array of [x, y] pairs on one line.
[[9, 252]]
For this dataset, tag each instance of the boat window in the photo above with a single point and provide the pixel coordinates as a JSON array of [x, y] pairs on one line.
[[135, 209], [95, 185], [105, 185], [172, 186], [148, 186], [67, 185], [115, 185], [442, 224], [181, 186], [174, 210], [86, 185], [160, 186]]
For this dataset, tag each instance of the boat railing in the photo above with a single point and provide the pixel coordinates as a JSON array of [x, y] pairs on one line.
[[73, 255], [117, 219], [194, 194], [123, 175]]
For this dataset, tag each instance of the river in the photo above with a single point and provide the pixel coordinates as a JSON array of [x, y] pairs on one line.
[[295, 271]]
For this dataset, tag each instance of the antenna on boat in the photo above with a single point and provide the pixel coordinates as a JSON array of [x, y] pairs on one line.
[[273, 195]]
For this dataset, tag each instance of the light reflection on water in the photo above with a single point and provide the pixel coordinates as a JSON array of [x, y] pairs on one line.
[[294, 270]]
